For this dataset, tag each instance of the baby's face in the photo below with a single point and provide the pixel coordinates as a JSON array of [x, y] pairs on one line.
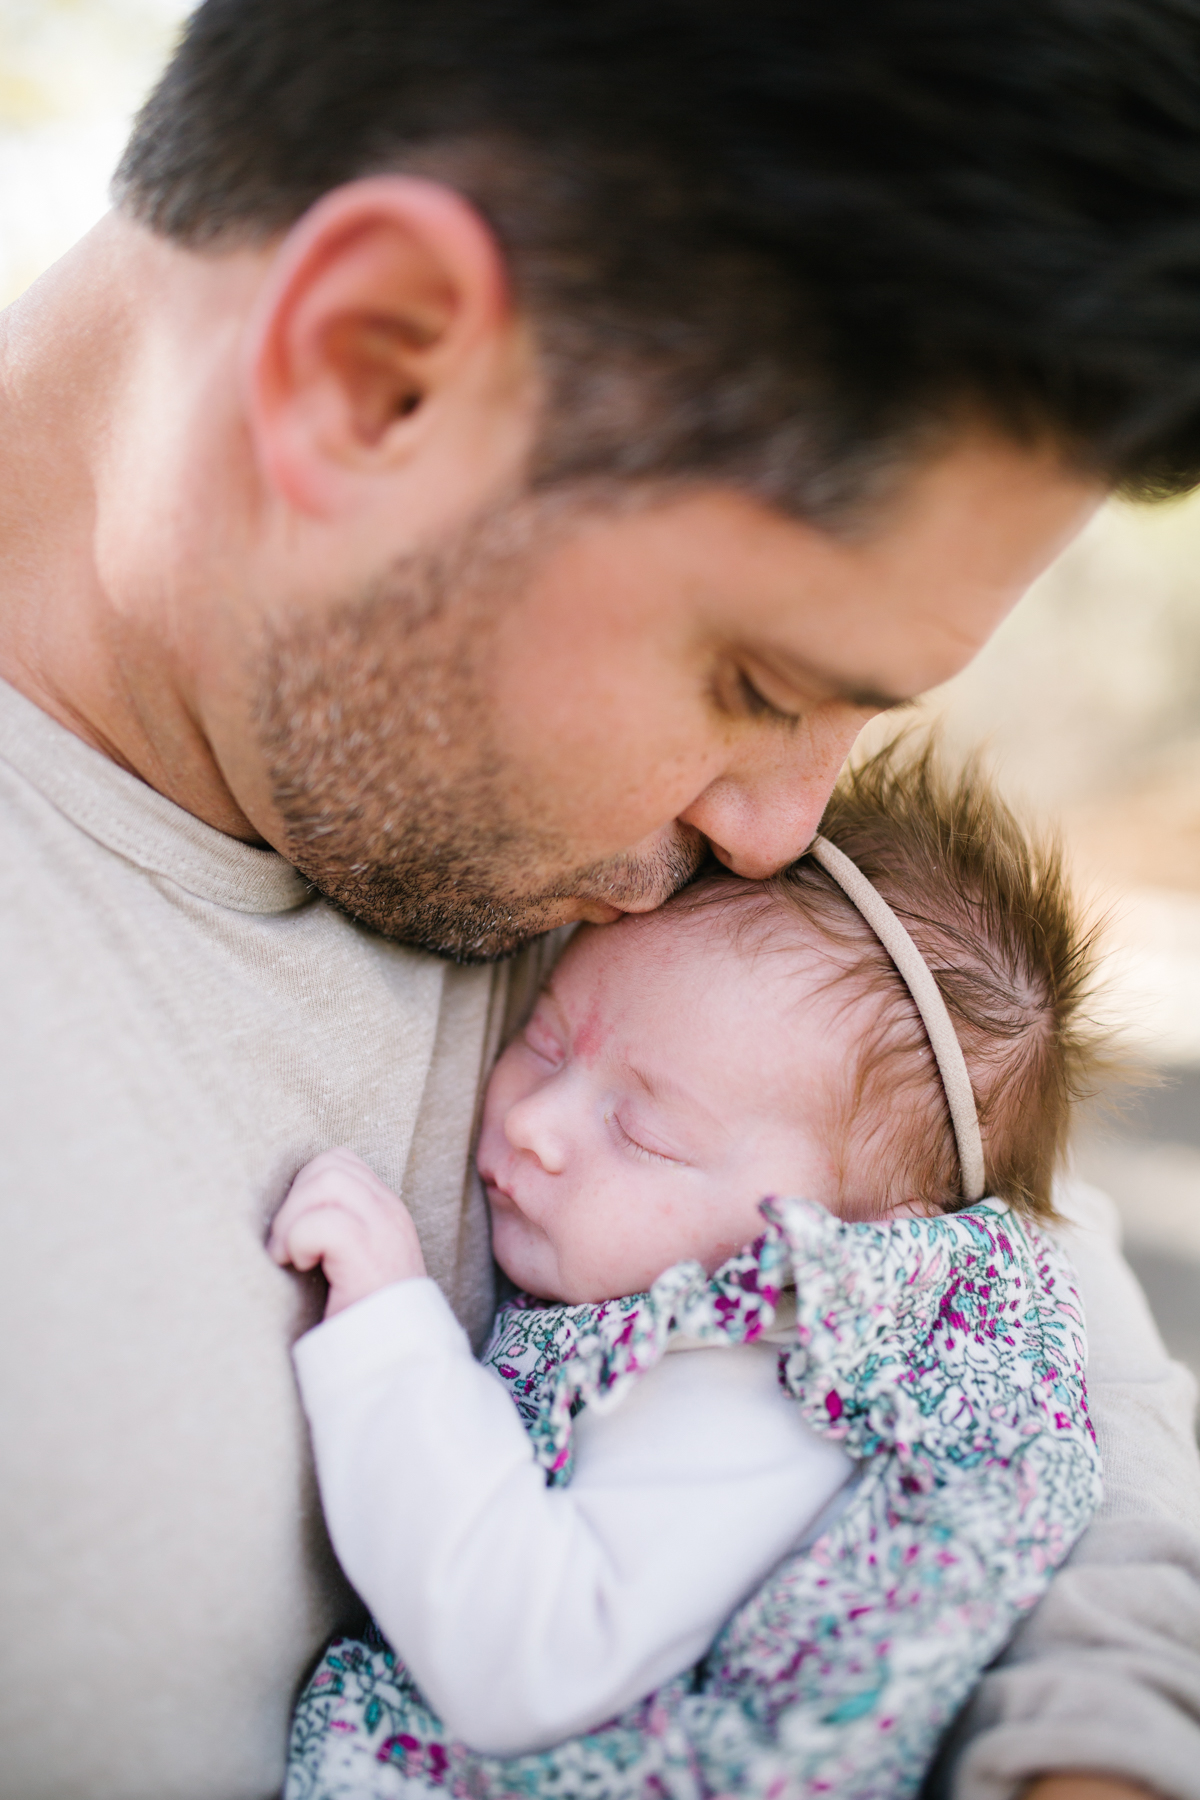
[[667, 1081]]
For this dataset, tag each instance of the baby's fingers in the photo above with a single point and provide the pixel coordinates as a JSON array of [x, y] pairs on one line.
[[278, 1238], [334, 1178], [339, 1214], [313, 1232]]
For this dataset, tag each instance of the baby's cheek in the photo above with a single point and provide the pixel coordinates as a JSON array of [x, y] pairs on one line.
[[747, 1221], [591, 1252], [633, 1238], [523, 1254], [718, 1224], [505, 1082], [508, 1083]]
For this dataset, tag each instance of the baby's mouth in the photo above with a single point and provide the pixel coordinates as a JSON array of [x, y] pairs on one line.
[[496, 1195]]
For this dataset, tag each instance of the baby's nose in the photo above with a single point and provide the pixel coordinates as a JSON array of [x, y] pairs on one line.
[[533, 1124]]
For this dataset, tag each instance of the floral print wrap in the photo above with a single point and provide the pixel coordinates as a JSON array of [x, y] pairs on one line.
[[947, 1356]]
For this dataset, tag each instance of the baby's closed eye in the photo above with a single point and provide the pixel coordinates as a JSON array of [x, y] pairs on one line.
[[638, 1148], [543, 1042]]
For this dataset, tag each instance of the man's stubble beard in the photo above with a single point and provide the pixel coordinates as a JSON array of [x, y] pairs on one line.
[[397, 803]]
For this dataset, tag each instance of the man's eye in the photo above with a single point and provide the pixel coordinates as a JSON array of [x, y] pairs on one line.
[[757, 704]]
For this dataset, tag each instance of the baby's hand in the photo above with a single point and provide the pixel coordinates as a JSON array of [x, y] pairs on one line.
[[340, 1215]]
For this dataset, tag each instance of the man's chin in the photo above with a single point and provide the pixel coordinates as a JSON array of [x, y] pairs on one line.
[[479, 930], [463, 928]]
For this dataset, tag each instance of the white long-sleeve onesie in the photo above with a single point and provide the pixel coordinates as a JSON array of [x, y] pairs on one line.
[[526, 1613]]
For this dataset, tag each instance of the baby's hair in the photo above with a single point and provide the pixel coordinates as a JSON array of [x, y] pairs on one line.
[[989, 906]]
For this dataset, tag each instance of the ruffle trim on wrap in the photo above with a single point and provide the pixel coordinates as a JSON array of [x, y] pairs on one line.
[[899, 1326]]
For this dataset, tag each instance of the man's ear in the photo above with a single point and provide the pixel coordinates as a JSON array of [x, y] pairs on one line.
[[383, 333]]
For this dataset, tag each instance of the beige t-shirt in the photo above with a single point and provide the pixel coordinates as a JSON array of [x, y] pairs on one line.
[[183, 1025]]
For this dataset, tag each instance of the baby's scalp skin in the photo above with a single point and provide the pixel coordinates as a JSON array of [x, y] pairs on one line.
[[667, 1081]]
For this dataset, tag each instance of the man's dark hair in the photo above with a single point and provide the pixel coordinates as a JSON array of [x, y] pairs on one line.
[[788, 243]]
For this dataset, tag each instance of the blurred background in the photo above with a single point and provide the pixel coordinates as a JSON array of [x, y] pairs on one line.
[[1089, 698]]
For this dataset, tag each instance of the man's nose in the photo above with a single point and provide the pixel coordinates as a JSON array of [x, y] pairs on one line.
[[761, 812], [534, 1124]]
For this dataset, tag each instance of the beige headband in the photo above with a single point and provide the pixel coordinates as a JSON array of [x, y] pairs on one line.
[[960, 1097]]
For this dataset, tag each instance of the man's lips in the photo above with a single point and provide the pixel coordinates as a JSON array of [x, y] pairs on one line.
[[599, 912]]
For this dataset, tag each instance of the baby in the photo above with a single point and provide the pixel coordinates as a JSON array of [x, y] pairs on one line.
[[748, 1039]]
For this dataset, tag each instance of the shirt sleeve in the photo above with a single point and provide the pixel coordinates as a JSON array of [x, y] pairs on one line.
[[526, 1613], [1104, 1676]]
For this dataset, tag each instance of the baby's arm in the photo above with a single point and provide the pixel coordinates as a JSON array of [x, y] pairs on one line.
[[527, 1614]]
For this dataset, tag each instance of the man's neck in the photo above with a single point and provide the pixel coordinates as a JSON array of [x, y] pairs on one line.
[[90, 629]]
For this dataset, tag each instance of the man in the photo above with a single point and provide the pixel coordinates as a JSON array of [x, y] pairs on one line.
[[498, 453]]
